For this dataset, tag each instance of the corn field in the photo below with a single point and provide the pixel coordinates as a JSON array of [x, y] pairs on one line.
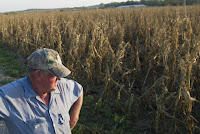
[[138, 57]]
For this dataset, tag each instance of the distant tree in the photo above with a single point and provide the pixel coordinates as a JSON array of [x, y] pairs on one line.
[[115, 4], [101, 5]]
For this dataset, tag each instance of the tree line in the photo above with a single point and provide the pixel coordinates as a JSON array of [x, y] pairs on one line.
[[153, 3], [170, 2]]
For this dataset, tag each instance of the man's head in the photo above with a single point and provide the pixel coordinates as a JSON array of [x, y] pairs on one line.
[[48, 59]]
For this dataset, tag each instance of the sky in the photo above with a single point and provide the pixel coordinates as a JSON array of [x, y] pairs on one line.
[[17, 5]]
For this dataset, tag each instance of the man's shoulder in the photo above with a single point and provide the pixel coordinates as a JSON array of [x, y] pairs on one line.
[[13, 87], [70, 86], [69, 83]]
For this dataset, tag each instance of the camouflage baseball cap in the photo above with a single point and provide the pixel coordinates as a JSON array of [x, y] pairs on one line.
[[48, 59]]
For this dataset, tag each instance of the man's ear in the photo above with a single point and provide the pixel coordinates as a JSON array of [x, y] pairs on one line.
[[37, 74]]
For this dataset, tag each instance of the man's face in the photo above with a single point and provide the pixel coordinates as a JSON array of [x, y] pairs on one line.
[[48, 82]]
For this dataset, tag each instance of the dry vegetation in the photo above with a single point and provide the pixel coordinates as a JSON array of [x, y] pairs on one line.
[[146, 60]]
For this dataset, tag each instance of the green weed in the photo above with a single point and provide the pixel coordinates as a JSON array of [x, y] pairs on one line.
[[9, 63]]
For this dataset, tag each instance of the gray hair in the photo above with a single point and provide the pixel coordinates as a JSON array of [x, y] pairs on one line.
[[31, 70]]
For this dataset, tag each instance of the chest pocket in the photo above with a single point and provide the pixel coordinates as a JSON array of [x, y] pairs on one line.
[[37, 125], [62, 118], [63, 123]]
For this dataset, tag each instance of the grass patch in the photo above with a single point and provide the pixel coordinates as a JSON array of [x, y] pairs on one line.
[[10, 64], [97, 117], [5, 81]]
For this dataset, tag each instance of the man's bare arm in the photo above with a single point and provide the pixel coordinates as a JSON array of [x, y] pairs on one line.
[[75, 111]]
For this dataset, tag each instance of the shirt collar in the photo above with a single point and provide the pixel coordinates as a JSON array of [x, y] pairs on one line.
[[56, 91], [29, 91]]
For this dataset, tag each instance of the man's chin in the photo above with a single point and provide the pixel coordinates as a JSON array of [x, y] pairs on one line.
[[53, 89]]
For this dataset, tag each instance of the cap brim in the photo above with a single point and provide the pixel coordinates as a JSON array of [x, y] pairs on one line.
[[60, 71]]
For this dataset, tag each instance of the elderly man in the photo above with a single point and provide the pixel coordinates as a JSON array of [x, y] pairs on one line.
[[40, 103]]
